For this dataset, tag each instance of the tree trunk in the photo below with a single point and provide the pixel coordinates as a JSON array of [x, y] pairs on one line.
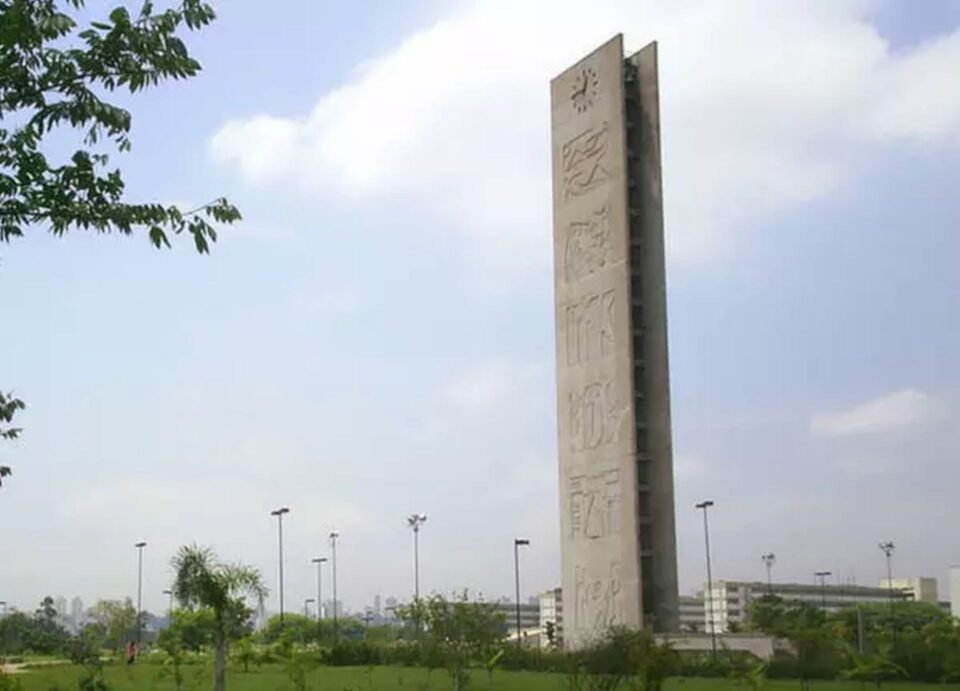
[[220, 664]]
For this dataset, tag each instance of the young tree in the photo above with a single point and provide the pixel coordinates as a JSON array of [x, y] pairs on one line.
[[875, 667], [118, 621], [55, 73], [48, 636], [204, 582], [193, 628], [461, 630], [16, 633]]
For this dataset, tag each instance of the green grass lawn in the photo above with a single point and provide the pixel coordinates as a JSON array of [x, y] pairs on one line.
[[274, 678]]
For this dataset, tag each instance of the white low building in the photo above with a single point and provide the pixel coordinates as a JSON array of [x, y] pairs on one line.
[[729, 606], [551, 617], [916, 589]]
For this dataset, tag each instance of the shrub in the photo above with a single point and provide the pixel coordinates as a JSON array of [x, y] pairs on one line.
[[352, 654]]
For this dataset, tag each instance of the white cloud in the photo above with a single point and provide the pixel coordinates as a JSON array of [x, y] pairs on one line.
[[487, 386], [272, 141], [765, 106], [887, 413]]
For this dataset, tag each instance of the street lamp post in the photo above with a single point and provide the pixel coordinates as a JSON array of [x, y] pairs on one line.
[[319, 562], [704, 505], [169, 594], [279, 514], [415, 521], [333, 565], [769, 559], [887, 548], [140, 545], [517, 544], [822, 575]]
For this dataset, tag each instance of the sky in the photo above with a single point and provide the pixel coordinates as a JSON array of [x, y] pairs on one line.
[[376, 337]]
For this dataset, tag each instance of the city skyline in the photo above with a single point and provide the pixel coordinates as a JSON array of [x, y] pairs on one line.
[[376, 338]]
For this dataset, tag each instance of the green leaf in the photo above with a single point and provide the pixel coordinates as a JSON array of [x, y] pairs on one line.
[[158, 237], [120, 17]]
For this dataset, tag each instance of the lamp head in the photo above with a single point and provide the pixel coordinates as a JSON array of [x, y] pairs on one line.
[[521, 541], [140, 545]]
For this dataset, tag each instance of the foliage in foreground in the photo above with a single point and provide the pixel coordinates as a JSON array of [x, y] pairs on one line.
[[53, 76], [9, 405], [913, 640]]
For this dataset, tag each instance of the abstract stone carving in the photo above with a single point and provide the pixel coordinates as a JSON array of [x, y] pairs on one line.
[[595, 416], [587, 249], [595, 505], [589, 328], [583, 161], [598, 598]]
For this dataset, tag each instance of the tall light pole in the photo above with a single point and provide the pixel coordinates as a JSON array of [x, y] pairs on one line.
[[319, 562], [140, 545], [822, 575], [416, 520], [769, 559], [279, 514], [169, 594], [517, 544], [704, 505], [887, 548], [306, 605], [333, 565]]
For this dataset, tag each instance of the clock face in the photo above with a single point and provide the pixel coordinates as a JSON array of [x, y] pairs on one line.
[[585, 89]]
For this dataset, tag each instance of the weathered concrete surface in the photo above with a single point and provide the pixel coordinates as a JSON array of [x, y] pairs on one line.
[[616, 475]]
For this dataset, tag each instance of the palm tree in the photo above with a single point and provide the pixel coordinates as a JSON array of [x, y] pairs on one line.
[[875, 667], [203, 581]]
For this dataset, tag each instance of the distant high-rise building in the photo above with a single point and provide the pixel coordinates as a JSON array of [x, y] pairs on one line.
[[76, 613], [955, 591], [63, 615], [390, 608], [377, 611], [329, 609]]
